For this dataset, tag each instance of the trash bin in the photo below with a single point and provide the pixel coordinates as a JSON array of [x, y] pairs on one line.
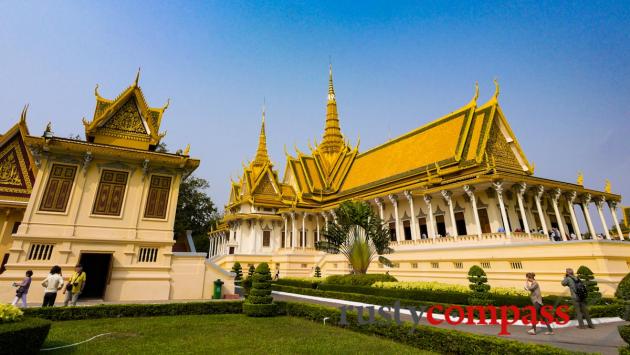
[[218, 284]]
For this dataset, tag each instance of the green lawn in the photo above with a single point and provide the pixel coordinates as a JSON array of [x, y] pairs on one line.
[[215, 334]]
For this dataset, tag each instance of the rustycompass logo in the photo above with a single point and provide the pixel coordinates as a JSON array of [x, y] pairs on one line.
[[504, 316]]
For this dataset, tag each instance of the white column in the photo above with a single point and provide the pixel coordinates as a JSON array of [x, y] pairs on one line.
[[555, 196], [586, 199], [498, 187], [520, 192], [293, 230], [325, 215], [448, 196], [303, 236], [210, 248], [286, 231], [317, 222], [470, 191], [414, 222], [612, 204], [252, 236], [394, 200], [541, 216], [431, 221], [599, 202], [570, 200], [379, 203]]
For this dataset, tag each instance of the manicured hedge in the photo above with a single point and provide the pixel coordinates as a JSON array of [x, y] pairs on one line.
[[23, 337], [305, 283], [612, 310], [445, 341], [135, 310], [359, 280]]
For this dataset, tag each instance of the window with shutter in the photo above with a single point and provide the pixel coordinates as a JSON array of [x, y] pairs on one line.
[[110, 193], [157, 199], [58, 188]]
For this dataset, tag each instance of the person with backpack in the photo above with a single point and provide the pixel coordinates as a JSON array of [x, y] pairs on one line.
[[579, 293], [22, 289]]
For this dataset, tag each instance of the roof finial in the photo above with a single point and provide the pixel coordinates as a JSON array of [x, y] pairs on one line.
[[261, 153], [168, 102], [23, 114], [580, 178], [331, 89], [187, 150], [96, 91], [607, 187], [496, 89], [474, 99], [137, 77]]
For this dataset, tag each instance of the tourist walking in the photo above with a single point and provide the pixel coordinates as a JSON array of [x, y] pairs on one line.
[[75, 286], [52, 284], [535, 295], [22, 289], [578, 295]]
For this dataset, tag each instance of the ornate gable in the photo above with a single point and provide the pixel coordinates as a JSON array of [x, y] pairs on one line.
[[126, 121], [16, 173]]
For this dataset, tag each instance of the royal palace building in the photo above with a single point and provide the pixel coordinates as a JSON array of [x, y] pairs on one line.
[[107, 202], [456, 192]]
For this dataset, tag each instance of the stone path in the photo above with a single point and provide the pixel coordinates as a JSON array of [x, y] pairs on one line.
[[603, 339]]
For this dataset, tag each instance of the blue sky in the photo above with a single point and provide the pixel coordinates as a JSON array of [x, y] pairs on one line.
[[564, 70]]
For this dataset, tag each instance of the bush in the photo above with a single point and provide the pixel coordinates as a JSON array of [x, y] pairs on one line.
[[445, 341], [135, 310], [359, 280], [624, 331], [624, 351], [251, 271], [623, 289], [306, 282], [259, 302], [318, 272], [438, 286], [238, 270], [586, 275], [479, 286], [10, 313], [23, 337]]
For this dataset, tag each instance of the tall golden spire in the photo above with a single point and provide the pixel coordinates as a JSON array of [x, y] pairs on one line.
[[261, 154], [332, 141]]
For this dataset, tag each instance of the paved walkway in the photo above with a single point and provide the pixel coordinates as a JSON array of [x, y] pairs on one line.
[[603, 339]]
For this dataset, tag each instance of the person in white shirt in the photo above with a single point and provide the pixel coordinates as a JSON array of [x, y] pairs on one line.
[[52, 284]]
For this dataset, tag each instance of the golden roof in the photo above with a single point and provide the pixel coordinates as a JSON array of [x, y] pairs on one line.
[[17, 166], [126, 120]]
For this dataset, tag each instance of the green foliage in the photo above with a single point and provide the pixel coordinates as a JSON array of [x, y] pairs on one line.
[[259, 302], [624, 351], [307, 282], [134, 310], [586, 275], [359, 280], [623, 289], [238, 270], [9, 313], [251, 271], [439, 286], [624, 331], [24, 337], [195, 211], [357, 233], [444, 341], [318, 271], [479, 286]]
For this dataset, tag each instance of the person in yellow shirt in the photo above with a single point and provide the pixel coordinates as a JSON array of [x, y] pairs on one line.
[[75, 286]]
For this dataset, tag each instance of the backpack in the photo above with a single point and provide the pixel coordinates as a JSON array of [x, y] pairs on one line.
[[580, 290]]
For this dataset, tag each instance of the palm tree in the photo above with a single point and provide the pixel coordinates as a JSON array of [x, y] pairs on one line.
[[357, 233]]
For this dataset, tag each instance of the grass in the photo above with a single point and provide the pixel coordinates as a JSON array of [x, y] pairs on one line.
[[216, 334]]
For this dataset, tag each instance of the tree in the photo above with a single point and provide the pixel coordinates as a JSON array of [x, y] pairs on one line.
[[195, 211], [238, 270], [251, 271], [623, 293], [357, 233], [318, 271], [479, 286], [586, 275], [259, 302]]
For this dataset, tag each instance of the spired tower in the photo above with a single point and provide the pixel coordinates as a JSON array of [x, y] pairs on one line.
[[332, 142]]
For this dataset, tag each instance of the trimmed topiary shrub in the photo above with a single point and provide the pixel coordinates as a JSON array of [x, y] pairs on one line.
[[623, 293], [259, 302], [624, 331], [238, 270], [318, 271], [586, 275], [251, 271], [359, 280], [479, 286], [23, 337]]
